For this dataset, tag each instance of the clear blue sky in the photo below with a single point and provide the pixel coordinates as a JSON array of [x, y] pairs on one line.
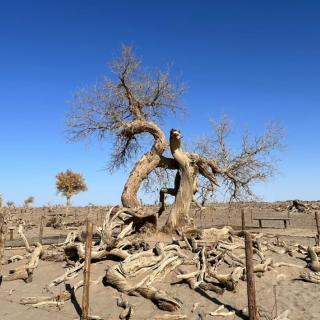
[[256, 61]]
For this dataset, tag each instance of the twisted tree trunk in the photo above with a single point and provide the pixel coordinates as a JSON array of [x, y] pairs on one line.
[[179, 215], [147, 163], [187, 164]]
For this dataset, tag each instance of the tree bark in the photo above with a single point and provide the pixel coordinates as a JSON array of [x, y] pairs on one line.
[[188, 164], [179, 215], [147, 163], [68, 205]]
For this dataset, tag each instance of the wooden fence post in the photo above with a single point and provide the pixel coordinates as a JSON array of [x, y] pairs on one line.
[[251, 292], [275, 300], [11, 229], [243, 220], [41, 229], [318, 227], [3, 234], [86, 273]]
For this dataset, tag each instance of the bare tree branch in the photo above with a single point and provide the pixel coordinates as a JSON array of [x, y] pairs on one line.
[[237, 172], [112, 108]]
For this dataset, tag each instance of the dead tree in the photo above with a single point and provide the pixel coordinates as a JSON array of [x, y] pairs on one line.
[[129, 107], [297, 206]]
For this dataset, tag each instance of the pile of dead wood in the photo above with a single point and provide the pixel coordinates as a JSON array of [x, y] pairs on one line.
[[209, 260]]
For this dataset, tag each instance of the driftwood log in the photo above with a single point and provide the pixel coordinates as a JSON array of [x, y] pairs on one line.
[[25, 272], [134, 275]]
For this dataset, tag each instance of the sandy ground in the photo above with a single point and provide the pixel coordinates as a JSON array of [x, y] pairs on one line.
[[277, 290]]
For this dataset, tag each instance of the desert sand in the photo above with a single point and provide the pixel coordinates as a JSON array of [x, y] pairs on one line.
[[277, 290]]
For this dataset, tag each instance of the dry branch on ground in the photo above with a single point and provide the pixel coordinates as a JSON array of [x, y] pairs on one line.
[[206, 260]]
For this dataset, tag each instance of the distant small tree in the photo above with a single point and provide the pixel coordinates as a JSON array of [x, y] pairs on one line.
[[10, 204], [1, 200], [70, 183], [29, 202]]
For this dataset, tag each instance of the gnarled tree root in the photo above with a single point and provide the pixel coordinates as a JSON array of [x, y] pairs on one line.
[[68, 275], [129, 276], [228, 281], [26, 272], [313, 277], [159, 297], [314, 263], [194, 284], [128, 311]]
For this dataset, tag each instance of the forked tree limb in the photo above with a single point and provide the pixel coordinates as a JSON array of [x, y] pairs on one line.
[[70, 274], [57, 300], [26, 272], [128, 277], [190, 279], [23, 237]]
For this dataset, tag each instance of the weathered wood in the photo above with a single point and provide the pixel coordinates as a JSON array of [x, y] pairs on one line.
[[318, 227], [243, 221], [3, 232], [251, 293], [285, 221], [155, 264], [70, 274], [59, 299], [11, 233], [24, 239], [146, 164], [25, 272], [270, 219], [128, 311], [41, 229], [314, 260], [86, 273], [179, 214]]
